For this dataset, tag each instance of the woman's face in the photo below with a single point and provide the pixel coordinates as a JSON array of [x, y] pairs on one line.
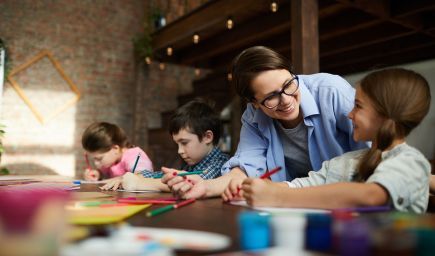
[[273, 81]]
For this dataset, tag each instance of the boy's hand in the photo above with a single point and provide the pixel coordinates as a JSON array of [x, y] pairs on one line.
[[130, 181], [261, 192], [91, 175], [233, 191], [186, 187], [113, 183]]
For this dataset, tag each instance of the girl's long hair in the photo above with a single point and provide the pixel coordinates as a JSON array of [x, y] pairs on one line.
[[403, 98]]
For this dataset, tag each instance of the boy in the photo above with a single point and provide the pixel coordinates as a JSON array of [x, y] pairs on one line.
[[195, 127]]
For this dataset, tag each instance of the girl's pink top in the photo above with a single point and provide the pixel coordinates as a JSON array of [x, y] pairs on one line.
[[127, 162]]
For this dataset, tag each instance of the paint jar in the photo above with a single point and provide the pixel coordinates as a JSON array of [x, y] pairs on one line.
[[32, 220], [318, 232], [288, 231], [354, 238], [340, 218], [254, 230]]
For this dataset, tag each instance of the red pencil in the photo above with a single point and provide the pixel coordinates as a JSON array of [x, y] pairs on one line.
[[144, 201], [185, 202], [267, 174]]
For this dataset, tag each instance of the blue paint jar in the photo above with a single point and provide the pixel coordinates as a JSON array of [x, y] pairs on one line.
[[318, 232], [254, 230]]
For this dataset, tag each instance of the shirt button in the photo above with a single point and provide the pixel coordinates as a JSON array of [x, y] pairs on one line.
[[400, 200]]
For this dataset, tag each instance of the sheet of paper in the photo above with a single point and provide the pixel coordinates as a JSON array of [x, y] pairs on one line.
[[278, 210], [138, 191], [80, 215]]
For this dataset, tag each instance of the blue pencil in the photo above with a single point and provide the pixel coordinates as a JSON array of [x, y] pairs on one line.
[[135, 163]]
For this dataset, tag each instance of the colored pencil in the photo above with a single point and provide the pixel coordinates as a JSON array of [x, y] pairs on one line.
[[158, 176], [267, 174], [135, 163], [362, 209], [169, 207], [144, 201]]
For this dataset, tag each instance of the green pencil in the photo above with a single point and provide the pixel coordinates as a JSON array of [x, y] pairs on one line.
[[170, 207], [160, 210]]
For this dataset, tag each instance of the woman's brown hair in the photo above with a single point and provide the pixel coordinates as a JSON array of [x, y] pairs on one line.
[[250, 63], [100, 137], [402, 97]]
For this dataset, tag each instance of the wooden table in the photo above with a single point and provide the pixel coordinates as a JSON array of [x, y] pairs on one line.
[[210, 215]]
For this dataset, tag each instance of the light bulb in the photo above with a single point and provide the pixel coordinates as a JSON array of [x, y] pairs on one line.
[[148, 60], [162, 66], [197, 71], [195, 38], [229, 76], [230, 23], [169, 51], [274, 7]]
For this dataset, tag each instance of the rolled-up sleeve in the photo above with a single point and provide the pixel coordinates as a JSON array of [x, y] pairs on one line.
[[406, 179], [251, 151]]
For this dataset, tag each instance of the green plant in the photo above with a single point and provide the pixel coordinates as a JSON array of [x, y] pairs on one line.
[[142, 43], [142, 46]]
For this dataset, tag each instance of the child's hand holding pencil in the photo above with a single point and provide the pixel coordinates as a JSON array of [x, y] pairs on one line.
[[183, 184], [90, 174]]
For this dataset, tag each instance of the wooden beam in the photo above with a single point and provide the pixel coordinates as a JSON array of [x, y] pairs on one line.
[[357, 39], [367, 53], [403, 8], [305, 36], [417, 53], [202, 18], [244, 35]]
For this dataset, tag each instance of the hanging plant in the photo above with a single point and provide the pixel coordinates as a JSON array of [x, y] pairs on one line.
[[142, 43]]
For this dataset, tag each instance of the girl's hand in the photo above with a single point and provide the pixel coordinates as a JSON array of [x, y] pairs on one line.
[[261, 192], [113, 183], [233, 191], [91, 175]]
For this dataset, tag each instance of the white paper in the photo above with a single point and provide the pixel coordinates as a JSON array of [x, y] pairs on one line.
[[278, 210]]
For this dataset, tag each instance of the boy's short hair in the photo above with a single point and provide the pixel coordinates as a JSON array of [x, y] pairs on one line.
[[197, 117]]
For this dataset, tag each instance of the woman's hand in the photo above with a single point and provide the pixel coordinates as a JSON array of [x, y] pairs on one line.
[[233, 190], [91, 175]]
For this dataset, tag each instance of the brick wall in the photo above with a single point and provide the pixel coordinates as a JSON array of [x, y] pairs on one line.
[[91, 40]]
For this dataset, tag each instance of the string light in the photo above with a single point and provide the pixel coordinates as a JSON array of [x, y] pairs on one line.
[[197, 71], [274, 6], [230, 23], [162, 66], [148, 60], [169, 51], [195, 38]]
